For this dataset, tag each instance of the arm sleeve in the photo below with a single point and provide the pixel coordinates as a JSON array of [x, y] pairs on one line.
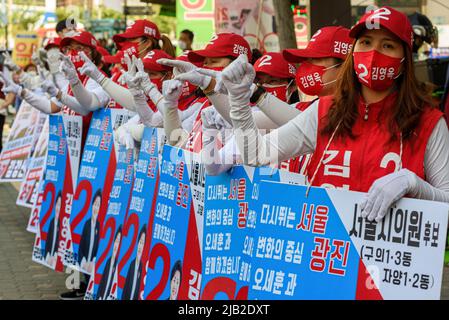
[[221, 104], [40, 102], [120, 94], [297, 137], [436, 167], [277, 110], [73, 104], [176, 135], [91, 97], [61, 82]]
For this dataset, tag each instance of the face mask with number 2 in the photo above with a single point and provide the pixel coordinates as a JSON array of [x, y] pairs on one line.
[[376, 70]]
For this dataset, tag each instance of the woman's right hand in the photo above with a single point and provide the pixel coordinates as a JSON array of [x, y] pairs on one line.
[[238, 78]]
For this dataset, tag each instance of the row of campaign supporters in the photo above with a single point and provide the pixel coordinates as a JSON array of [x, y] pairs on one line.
[[157, 177]]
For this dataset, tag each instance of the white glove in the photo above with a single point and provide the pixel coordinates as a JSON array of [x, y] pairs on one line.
[[178, 66], [53, 60], [195, 78], [9, 62], [142, 80], [123, 137], [219, 86], [26, 80], [68, 69], [90, 69], [385, 192], [130, 77], [47, 84], [238, 78], [9, 86], [171, 90]]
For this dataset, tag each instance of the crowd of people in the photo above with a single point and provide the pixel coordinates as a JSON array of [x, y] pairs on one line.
[[347, 111]]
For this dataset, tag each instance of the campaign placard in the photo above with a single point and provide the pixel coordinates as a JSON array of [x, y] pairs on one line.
[[101, 282], [136, 228], [172, 213], [20, 143], [95, 180], [35, 171], [64, 144], [230, 214], [317, 246]]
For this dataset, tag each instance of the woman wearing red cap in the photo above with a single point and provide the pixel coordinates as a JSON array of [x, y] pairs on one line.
[[379, 133], [221, 50], [140, 38], [83, 95]]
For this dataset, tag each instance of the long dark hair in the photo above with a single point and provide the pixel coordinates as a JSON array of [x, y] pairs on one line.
[[412, 99]]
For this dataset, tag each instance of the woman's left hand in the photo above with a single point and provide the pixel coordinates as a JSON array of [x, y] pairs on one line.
[[385, 192]]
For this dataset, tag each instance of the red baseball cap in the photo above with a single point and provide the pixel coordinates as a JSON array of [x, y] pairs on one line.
[[274, 64], [388, 18], [138, 28], [222, 45], [117, 58], [53, 42], [149, 61], [82, 37], [326, 42]]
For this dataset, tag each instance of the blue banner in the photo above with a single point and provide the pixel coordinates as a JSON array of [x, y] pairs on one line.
[[169, 231], [104, 280], [94, 187], [137, 227], [62, 161]]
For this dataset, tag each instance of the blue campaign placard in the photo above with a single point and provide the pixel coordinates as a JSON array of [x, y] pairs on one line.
[[227, 240], [136, 228], [171, 217], [64, 138], [103, 282], [45, 249], [302, 249], [90, 200]]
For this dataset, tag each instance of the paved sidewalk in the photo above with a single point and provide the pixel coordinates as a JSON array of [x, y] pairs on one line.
[[21, 278]]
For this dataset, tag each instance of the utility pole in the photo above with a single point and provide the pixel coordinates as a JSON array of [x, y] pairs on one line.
[[285, 27]]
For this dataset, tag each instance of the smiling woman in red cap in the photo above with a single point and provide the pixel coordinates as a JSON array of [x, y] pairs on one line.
[[379, 133]]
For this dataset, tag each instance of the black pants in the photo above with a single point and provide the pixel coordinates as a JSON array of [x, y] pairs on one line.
[[2, 123]]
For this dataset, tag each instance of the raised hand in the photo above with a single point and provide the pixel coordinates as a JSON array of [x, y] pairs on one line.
[[9, 86], [68, 69], [90, 69]]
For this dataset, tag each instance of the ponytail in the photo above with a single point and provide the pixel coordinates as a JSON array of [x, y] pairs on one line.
[[167, 46]]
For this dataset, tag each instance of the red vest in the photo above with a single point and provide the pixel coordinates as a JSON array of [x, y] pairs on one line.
[[354, 164], [195, 139], [298, 164]]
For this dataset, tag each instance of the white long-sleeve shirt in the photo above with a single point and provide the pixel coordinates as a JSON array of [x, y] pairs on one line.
[[299, 137]]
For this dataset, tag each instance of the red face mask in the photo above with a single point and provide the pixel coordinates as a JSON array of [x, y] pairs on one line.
[[215, 68], [76, 59], [309, 78], [279, 91], [376, 70], [130, 48]]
